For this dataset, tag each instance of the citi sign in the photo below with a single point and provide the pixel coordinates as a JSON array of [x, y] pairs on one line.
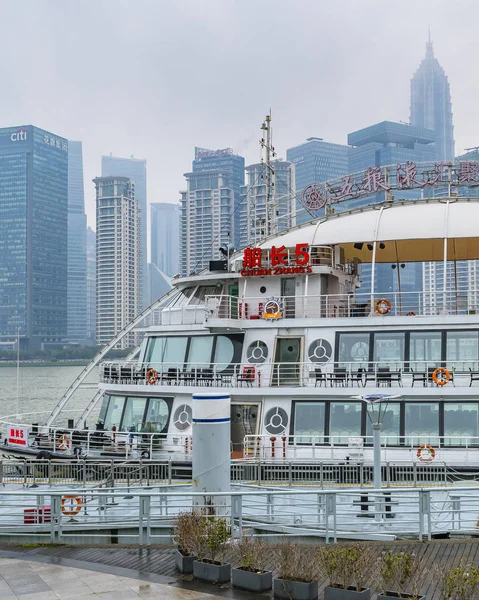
[[19, 136]]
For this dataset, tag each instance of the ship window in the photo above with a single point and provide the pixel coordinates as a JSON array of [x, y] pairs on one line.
[[390, 425], [463, 346], [422, 423], [345, 421], [182, 298], [157, 415], [424, 348], [133, 415], [201, 292], [199, 354], [103, 409], [461, 420], [175, 349], [309, 422], [225, 351], [354, 347], [388, 349], [113, 414]]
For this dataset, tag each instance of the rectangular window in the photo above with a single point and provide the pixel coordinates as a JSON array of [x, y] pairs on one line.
[[157, 415], [422, 423], [345, 421], [390, 426], [309, 422], [114, 412], [389, 349], [463, 346], [424, 350], [199, 355], [461, 421], [354, 347], [133, 415]]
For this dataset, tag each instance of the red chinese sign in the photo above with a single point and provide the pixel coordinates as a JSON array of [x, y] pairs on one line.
[[18, 435], [279, 263]]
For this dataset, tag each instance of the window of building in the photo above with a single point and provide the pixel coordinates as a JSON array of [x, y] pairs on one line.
[[461, 420], [422, 423], [389, 349], [309, 422], [345, 421]]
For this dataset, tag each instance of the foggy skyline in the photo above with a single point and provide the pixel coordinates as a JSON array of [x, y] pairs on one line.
[[154, 78]]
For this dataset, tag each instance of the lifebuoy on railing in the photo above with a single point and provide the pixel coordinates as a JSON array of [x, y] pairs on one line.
[[410, 314], [426, 453], [63, 442], [441, 376], [151, 376], [382, 306], [71, 505]]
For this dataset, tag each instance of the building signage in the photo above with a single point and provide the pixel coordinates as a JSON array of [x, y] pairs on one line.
[[273, 309], [402, 176], [19, 136], [18, 435], [51, 140], [203, 152], [279, 261]]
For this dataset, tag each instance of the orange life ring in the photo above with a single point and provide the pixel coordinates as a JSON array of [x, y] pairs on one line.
[[73, 505], [63, 442], [383, 306], [151, 376], [426, 453], [410, 314], [446, 376]]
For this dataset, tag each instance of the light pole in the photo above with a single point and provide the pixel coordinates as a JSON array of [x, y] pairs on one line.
[[376, 407]]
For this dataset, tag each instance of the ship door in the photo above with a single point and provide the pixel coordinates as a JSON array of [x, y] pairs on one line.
[[287, 361], [288, 291], [233, 298], [244, 421]]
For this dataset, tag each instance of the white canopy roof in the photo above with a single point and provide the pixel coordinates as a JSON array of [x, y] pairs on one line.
[[411, 231]]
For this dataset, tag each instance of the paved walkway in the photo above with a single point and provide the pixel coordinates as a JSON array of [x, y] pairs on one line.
[[31, 580]]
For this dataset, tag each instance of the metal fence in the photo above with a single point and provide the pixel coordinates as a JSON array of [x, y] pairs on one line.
[[147, 516]]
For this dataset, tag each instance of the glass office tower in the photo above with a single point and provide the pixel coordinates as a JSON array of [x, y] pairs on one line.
[[33, 237]]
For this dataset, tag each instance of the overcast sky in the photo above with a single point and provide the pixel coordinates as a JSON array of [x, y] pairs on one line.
[[154, 78]]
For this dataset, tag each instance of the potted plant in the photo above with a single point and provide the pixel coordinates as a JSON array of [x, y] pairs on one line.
[[251, 575], [459, 583], [297, 572], [345, 568], [187, 528], [209, 548], [401, 575]]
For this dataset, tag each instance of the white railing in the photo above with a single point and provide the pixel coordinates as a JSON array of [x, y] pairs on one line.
[[146, 517], [384, 373], [393, 304]]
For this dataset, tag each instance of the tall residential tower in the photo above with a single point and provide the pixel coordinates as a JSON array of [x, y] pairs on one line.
[[164, 236]]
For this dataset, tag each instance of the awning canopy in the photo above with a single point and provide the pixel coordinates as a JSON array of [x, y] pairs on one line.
[[410, 231]]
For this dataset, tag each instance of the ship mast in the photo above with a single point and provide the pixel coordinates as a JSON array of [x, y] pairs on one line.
[[266, 143]]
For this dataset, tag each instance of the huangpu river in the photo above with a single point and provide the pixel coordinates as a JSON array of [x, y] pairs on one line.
[[40, 388]]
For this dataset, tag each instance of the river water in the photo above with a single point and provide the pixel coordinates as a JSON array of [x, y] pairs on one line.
[[40, 388]]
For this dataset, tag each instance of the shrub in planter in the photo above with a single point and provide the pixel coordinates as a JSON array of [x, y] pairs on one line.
[[297, 572], [401, 575], [460, 583], [345, 568], [252, 554], [188, 527], [210, 547]]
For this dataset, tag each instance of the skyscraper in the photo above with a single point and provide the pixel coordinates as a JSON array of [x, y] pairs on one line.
[[117, 258], [431, 103], [315, 161], [165, 236], [135, 170], [210, 207], [253, 203], [33, 237], [91, 285], [77, 267]]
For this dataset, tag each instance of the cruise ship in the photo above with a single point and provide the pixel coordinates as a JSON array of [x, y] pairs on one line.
[[284, 328]]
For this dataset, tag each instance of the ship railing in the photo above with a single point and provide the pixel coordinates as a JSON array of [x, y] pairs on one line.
[[142, 440], [359, 304], [346, 446], [320, 372], [78, 516], [328, 473]]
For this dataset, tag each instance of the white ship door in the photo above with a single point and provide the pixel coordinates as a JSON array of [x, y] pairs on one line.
[[287, 361], [288, 291]]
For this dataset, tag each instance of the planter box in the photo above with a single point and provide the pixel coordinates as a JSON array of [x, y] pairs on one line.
[[253, 582], [334, 593], [295, 590], [210, 572], [184, 563], [395, 596]]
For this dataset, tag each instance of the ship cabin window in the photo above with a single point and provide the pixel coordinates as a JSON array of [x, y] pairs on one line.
[[422, 422], [461, 420], [391, 425], [194, 351], [463, 346], [389, 349], [135, 413], [344, 421], [424, 349], [354, 348], [181, 299], [309, 419], [200, 294]]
